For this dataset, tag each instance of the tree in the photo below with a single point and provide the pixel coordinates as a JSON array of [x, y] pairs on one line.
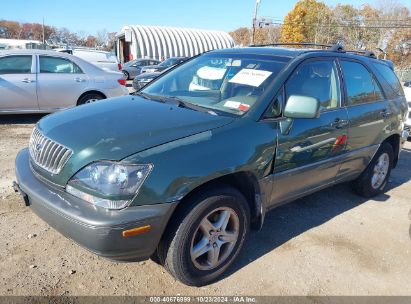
[[10, 29], [304, 22], [241, 36]]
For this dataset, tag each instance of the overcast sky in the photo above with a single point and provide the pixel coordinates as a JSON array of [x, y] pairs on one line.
[[93, 15]]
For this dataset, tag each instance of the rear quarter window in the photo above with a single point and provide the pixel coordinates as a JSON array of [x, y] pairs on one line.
[[388, 74]]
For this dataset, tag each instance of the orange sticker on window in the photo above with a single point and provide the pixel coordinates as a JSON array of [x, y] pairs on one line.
[[244, 107]]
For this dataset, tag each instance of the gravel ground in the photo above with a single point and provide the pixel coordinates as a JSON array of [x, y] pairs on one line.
[[329, 243]]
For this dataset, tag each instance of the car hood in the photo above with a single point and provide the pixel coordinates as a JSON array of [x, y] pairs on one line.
[[119, 127], [148, 75]]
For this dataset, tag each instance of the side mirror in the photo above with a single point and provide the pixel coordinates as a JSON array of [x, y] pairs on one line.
[[302, 107]]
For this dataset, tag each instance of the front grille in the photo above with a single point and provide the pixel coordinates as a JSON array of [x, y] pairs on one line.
[[407, 128], [48, 154]]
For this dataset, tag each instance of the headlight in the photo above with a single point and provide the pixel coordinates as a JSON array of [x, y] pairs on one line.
[[108, 184]]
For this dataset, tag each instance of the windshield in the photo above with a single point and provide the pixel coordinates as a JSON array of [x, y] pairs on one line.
[[228, 83], [168, 62]]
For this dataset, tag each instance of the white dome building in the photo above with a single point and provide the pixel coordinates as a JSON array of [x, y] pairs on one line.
[[158, 42]]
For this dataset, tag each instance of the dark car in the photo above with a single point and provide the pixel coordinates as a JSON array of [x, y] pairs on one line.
[[407, 84], [183, 169], [143, 79], [133, 68], [164, 65]]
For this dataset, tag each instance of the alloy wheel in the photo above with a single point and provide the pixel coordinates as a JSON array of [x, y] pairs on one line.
[[215, 238], [380, 171]]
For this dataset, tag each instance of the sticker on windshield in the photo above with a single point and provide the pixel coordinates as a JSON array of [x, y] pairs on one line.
[[232, 104], [237, 105], [251, 77]]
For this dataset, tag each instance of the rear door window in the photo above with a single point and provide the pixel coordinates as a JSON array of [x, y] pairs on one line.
[[58, 65], [388, 74], [360, 84], [16, 64]]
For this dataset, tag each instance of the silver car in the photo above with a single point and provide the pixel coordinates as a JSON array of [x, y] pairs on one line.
[[38, 81], [133, 68]]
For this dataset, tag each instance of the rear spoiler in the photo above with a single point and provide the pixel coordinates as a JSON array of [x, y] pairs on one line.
[[389, 63]]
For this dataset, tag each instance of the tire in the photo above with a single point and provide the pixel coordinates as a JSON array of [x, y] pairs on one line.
[[370, 183], [126, 75], [176, 250], [89, 98]]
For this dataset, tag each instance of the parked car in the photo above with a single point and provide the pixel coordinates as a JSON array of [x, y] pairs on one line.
[[105, 60], [141, 80], [407, 84], [133, 68], [163, 65], [183, 173], [38, 81]]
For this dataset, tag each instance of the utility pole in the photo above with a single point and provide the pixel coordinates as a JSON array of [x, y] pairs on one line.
[[257, 4], [44, 40]]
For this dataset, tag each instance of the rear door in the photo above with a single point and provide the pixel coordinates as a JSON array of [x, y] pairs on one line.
[[18, 83], [369, 115], [308, 150], [60, 82]]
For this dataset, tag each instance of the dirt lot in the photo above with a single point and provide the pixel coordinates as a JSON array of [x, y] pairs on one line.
[[330, 243]]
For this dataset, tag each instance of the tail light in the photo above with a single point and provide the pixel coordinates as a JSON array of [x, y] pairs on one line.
[[119, 67], [122, 81]]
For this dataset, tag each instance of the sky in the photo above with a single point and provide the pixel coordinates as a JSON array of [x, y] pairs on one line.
[[90, 16]]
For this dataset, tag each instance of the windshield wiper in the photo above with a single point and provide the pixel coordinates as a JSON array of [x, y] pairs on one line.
[[184, 104], [144, 95], [175, 101]]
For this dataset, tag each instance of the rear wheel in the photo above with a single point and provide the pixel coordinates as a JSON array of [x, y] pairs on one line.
[[206, 237], [126, 75], [89, 98], [375, 177]]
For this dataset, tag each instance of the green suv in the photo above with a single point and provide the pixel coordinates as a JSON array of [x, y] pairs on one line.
[[181, 170]]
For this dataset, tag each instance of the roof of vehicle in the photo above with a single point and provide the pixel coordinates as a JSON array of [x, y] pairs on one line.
[[90, 51], [290, 52], [85, 65], [276, 51]]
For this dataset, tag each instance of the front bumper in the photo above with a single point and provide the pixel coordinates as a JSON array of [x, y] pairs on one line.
[[97, 229], [137, 85]]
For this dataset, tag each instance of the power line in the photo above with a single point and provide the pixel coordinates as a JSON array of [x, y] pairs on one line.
[[346, 25]]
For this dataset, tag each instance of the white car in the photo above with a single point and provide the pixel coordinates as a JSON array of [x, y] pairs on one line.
[[105, 60], [38, 81]]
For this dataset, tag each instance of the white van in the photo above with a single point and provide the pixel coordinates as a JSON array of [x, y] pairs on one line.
[[104, 60]]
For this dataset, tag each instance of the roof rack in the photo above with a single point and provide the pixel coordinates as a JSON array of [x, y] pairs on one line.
[[366, 53], [333, 47]]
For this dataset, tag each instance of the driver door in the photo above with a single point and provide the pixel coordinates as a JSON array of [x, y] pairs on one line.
[[308, 150]]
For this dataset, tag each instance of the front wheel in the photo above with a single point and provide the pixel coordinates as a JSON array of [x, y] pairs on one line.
[[375, 177], [206, 237]]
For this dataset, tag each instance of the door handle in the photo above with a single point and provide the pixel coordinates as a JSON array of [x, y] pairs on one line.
[[79, 79], [339, 123], [385, 113], [28, 80]]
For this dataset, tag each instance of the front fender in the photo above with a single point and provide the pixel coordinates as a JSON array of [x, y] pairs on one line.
[[182, 165]]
